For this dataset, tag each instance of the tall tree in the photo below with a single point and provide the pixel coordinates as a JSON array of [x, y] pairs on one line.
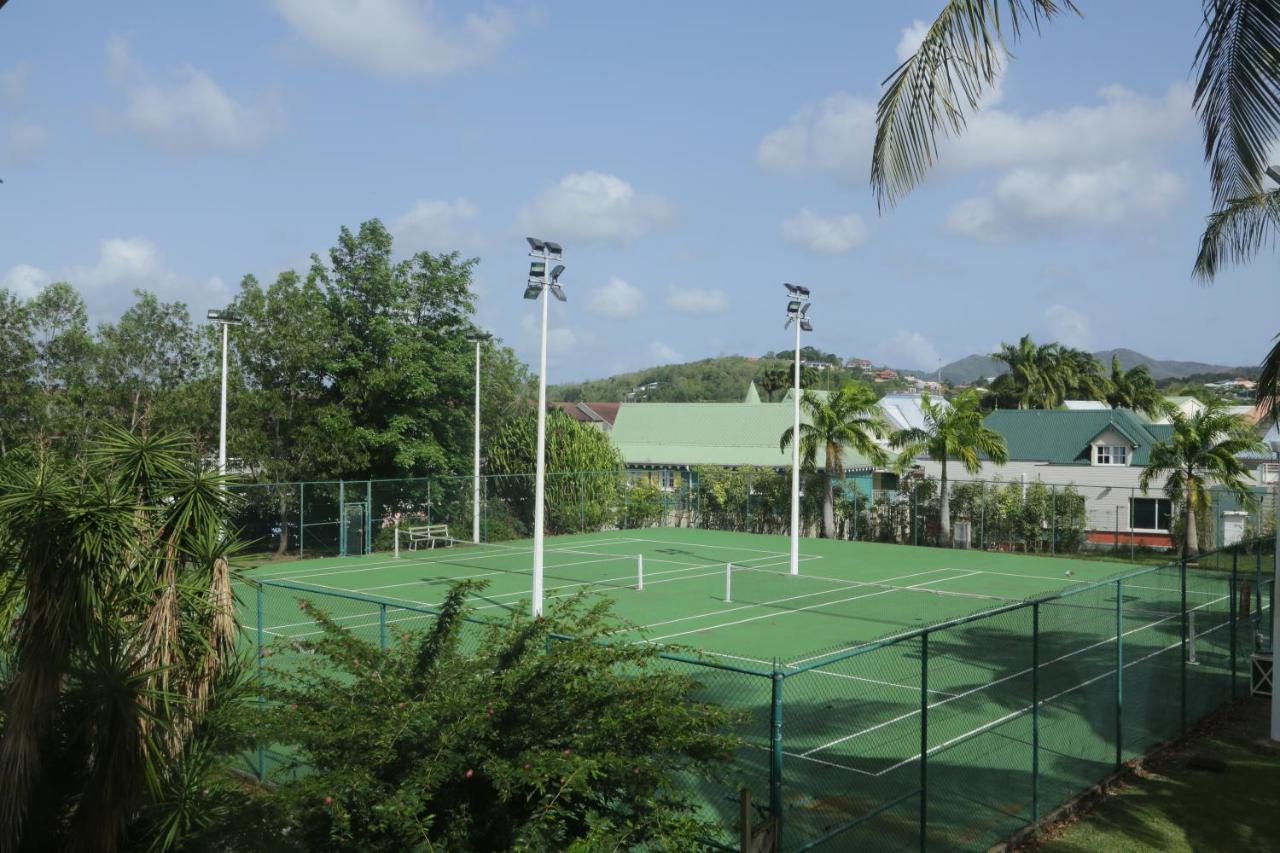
[[17, 369], [1134, 389], [1203, 451], [64, 366], [1237, 97], [144, 358], [847, 420], [954, 431], [774, 380]]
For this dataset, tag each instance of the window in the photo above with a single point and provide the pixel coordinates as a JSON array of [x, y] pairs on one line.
[[667, 480], [1271, 473], [1111, 454], [1150, 514]]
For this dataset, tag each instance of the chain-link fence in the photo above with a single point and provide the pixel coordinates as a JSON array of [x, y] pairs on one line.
[[956, 735]]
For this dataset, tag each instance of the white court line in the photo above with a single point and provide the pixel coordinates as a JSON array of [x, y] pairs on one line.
[[852, 585], [989, 684]]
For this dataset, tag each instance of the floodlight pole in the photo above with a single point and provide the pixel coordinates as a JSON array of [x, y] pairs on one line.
[[795, 463], [475, 495], [222, 426], [540, 478]]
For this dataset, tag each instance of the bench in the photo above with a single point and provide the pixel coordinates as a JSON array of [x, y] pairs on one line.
[[428, 533]]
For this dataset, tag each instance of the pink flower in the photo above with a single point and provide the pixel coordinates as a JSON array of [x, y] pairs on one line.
[[470, 773], [328, 801]]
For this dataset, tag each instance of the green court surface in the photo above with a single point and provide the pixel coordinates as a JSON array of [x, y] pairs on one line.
[[846, 592], [857, 728]]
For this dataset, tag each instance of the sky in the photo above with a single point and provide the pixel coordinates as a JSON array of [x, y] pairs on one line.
[[690, 157]]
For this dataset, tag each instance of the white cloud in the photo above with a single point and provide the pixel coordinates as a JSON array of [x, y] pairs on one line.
[[617, 299], [25, 140], [24, 280], [186, 111], [438, 226], [594, 206], [1032, 203], [825, 235], [664, 353], [832, 138], [561, 340], [122, 266], [13, 81], [692, 300], [912, 37], [1069, 326], [399, 38], [910, 350]]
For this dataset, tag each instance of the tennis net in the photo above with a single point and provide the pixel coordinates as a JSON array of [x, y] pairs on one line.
[[573, 566]]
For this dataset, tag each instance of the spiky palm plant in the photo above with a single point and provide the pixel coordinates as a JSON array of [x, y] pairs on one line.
[[848, 419], [1203, 451], [954, 431]]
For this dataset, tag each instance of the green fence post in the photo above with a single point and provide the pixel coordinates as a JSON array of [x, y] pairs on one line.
[[915, 513], [982, 517], [484, 500], [775, 751], [582, 513], [382, 627], [1035, 712], [368, 516], [855, 513], [1257, 585], [262, 699], [1119, 673], [342, 518], [1053, 516], [1235, 579], [1183, 584], [428, 500], [924, 736], [1133, 555]]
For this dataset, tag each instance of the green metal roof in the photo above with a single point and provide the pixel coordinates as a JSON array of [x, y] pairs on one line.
[[680, 434], [753, 396], [1062, 437]]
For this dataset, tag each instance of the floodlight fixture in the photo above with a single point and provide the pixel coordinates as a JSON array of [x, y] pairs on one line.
[[805, 325], [804, 309], [797, 291], [553, 249], [479, 337], [537, 269], [558, 292], [532, 291], [556, 271], [536, 244], [227, 316], [793, 307]]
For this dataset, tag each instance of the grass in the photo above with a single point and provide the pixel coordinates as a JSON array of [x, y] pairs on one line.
[[1170, 807]]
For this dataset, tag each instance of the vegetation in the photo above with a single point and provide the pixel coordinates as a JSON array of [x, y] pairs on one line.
[[492, 737], [1134, 389], [1044, 376], [954, 431], [1202, 453], [117, 645], [1237, 97]]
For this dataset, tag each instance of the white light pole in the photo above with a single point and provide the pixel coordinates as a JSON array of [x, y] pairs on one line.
[[797, 308], [1275, 619], [541, 283], [478, 338], [227, 319]]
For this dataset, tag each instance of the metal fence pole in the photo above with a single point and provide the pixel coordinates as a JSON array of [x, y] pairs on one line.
[[775, 750], [855, 513], [1119, 673], [302, 516], [924, 736], [915, 513], [1233, 610], [368, 516], [982, 515], [428, 500], [582, 512], [1035, 712], [262, 699], [382, 627], [484, 499], [1053, 522], [1183, 572], [342, 518]]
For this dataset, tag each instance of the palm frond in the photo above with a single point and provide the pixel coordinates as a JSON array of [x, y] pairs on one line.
[[1236, 232], [1268, 393], [1238, 93], [927, 97]]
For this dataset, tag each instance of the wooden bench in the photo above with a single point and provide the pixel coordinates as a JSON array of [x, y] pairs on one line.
[[428, 533]]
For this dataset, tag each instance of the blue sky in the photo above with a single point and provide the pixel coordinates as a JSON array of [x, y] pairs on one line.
[[690, 157]]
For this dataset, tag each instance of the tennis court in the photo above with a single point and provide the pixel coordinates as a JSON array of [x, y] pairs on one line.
[[861, 726]]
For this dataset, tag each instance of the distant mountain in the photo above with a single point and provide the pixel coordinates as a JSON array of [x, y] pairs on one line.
[[975, 367]]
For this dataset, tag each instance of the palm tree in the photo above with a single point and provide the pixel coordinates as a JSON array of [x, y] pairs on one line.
[[1134, 389], [773, 380], [1237, 97], [118, 635], [953, 431], [846, 420], [1203, 451], [1024, 361], [1084, 375]]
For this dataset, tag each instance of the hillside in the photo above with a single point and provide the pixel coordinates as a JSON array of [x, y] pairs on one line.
[[974, 367]]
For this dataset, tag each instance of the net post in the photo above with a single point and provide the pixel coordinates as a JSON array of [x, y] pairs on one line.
[[640, 572], [1119, 672], [775, 749], [924, 736], [382, 627], [262, 699], [1182, 564], [1232, 607], [728, 583], [1035, 712]]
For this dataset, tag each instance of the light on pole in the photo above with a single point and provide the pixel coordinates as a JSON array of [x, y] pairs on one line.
[[1275, 619], [797, 314], [542, 282], [478, 338], [227, 319]]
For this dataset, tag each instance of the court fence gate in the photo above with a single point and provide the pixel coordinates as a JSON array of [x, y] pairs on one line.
[[955, 735]]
